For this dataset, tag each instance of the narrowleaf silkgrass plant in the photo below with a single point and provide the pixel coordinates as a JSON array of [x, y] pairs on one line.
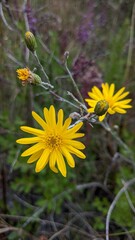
[[57, 142], [71, 173]]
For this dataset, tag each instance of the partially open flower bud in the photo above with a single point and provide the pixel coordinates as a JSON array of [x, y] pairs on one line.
[[101, 107], [36, 79], [26, 76], [30, 41]]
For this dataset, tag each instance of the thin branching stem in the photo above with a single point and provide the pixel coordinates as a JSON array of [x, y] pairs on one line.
[[122, 190], [131, 44], [74, 83], [39, 63]]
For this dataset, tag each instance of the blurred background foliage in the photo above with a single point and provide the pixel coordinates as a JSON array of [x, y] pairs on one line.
[[99, 36]]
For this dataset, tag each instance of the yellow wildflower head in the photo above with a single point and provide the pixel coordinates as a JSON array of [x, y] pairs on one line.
[[116, 102], [26, 76], [54, 143]]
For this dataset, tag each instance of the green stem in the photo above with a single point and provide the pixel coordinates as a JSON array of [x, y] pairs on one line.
[[131, 44], [76, 100], [61, 99], [39, 63], [74, 84]]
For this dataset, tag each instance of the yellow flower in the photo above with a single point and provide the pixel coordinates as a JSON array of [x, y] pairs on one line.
[[54, 142], [26, 76], [115, 101], [23, 74]]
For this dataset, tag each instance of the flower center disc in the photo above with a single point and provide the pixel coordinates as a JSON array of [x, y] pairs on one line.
[[53, 141]]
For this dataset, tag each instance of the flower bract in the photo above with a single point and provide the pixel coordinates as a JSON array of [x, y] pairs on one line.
[[116, 101], [54, 143]]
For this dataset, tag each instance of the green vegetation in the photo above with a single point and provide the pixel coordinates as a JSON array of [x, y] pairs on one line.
[[100, 37]]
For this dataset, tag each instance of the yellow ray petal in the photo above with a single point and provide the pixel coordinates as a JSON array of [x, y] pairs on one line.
[[91, 103], [68, 157], [46, 116], [32, 150], [111, 90], [75, 128], [105, 90], [110, 111], [31, 130], [90, 110], [115, 97], [35, 156], [120, 110], [120, 97], [87, 99], [66, 124], [76, 152], [52, 116], [74, 143], [39, 120], [28, 140], [60, 118], [125, 106], [61, 164], [43, 160], [123, 102], [74, 135], [94, 96], [97, 92], [52, 162], [101, 118]]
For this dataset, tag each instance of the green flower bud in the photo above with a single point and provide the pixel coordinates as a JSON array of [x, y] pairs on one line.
[[30, 41], [101, 107]]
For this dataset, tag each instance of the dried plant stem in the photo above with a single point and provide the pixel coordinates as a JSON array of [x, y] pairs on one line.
[[122, 190]]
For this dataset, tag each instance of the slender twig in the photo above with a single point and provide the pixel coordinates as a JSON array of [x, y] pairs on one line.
[[63, 99], [4, 19], [76, 100], [73, 81], [11, 57], [59, 98], [129, 199], [39, 63], [122, 190], [49, 51], [25, 15], [131, 44]]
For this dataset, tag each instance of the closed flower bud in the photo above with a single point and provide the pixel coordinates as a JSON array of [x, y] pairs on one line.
[[101, 107], [30, 41]]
